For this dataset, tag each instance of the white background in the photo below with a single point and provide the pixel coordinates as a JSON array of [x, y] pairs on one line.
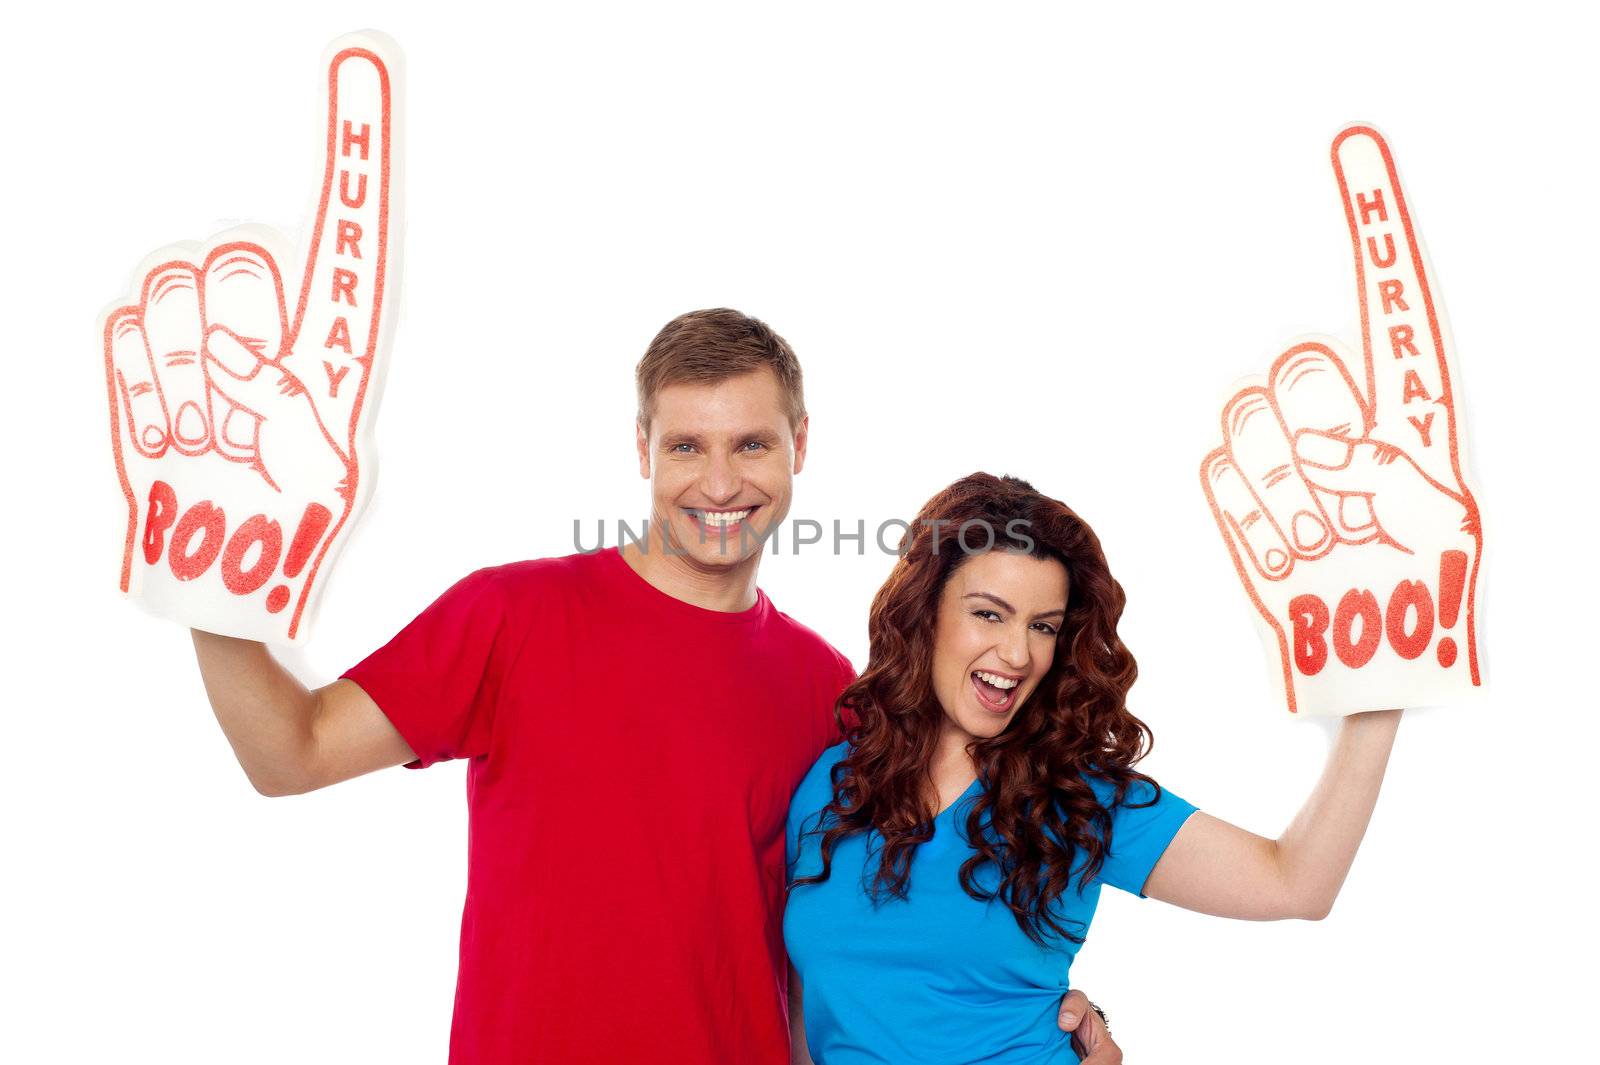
[[1034, 240]]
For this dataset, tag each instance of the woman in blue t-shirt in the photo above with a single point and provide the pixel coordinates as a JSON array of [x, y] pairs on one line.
[[946, 860]]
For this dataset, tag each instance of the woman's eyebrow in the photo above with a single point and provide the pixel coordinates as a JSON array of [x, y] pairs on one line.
[[1001, 602], [991, 598]]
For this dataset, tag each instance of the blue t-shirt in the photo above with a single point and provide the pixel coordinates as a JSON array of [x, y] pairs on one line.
[[940, 977]]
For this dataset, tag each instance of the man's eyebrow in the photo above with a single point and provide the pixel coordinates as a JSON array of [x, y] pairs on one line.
[[1008, 606], [681, 436]]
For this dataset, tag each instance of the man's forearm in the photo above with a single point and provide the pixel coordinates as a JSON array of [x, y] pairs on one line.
[[1319, 846], [264, 711]]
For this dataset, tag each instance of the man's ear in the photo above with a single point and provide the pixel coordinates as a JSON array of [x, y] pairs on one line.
[[642, 442], [800, 443]]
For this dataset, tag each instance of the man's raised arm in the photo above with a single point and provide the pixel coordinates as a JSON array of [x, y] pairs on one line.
[[288, 738]]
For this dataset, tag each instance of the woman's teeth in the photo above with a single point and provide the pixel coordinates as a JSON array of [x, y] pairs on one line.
[[998, 694]]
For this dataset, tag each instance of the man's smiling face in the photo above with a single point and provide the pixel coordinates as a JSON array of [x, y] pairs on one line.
[[721, 459]]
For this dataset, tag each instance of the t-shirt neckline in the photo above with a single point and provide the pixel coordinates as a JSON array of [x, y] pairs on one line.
[[655, 598], [971, 790]]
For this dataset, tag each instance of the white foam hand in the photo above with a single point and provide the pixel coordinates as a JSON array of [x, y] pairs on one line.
[[1342, 499], [240, 433]]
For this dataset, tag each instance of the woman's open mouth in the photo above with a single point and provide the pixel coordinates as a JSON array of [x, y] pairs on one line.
[[996, 691]]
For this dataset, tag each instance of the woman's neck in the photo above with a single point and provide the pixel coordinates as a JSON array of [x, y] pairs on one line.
[[951, 772]]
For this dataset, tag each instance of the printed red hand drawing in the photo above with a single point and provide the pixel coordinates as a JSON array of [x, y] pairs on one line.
[[240, 432], [1340, 488]]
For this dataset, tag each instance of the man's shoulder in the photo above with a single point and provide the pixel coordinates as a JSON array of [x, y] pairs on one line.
[[536, 574], [809, 641]]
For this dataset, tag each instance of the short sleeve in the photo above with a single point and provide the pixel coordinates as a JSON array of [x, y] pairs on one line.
[[844, 672], [1140, 833], [805, 810], [439, 679], [844, 675]]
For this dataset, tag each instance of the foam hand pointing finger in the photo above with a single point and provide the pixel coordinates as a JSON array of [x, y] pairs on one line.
[[1344, 505], [240, 433]]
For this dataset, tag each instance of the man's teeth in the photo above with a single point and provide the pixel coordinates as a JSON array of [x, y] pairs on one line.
[[727, 517], [998, 682]]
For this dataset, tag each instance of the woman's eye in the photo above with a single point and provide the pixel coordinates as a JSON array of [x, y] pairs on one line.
[[986, 614], [1046, 627]]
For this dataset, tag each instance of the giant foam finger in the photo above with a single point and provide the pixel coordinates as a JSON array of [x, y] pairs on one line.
[[1387, 615], [1403, 333], [233, 533], [1264, 456], [338, 328]]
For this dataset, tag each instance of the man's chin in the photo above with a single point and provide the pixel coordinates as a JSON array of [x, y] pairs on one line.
[[712, 554], [714, 551]]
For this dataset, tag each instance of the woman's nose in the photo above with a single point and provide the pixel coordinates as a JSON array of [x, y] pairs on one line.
[[1013, 649]]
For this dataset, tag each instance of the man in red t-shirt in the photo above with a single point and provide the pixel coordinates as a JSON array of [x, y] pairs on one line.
[[636, 721]]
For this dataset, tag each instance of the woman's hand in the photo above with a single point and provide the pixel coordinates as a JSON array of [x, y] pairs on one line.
[[1214, 867]]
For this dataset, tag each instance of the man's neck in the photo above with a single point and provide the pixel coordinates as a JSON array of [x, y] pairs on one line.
[[725, 588]]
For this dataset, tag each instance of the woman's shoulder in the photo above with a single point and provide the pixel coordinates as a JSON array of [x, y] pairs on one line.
[[822, 769], [816, 789], [1139, 792]]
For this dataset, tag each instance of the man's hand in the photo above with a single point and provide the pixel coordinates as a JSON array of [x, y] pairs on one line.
[[1090, 1036], [1339, 486], [237, 429]]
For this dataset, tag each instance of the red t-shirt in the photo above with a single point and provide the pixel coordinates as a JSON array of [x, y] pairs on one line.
[[633, 757]]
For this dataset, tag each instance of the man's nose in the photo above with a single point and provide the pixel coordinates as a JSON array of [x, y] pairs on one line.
[[720, 482]]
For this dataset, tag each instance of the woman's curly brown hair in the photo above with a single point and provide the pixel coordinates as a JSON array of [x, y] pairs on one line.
[[1044, 823]]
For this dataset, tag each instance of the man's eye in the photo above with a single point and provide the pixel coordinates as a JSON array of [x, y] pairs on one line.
[[677, 448], [755, 443]]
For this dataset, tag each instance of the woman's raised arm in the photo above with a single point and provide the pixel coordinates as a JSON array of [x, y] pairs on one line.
[[1214, 867]]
